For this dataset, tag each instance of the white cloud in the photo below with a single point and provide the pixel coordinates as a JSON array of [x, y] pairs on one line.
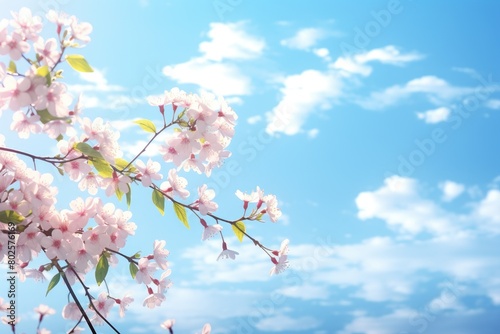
[[303, 94], [306, 292], [386, 324], [254, 119], [488, 210], [435, 115], [357, 64], [97, 82], [218, 78], [323, 53], [311, 90], [230, 41], [313, 133], [493, 104], [304, 39], [435, 89], [451, 190], [280, 323], [400, 205], [217, 70]]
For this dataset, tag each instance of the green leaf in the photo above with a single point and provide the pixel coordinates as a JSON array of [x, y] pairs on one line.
[[238, 229], [119, 194], [101, 270], [180, 212], [53, 282], [129, 196], [60, 170], [11, 216], [122, 163], [133, 269], [88, 150], [103, 168], [146, 125], [78, 63], [45, 116], [159, 201], [44, 71], [12, 67]]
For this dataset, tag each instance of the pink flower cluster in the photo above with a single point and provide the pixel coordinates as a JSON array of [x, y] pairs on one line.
[[66, 235], [258, 197], [206, 127]]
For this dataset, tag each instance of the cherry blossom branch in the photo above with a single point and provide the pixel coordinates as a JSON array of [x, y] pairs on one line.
[[89, 297], [50, 160], [217, 218], [75, 298], [165, 126], [128, 258]]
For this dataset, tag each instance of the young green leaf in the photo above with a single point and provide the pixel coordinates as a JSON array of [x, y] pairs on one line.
[[78, 63], [133, 269], [122, 163], [159, 201], [88, 150], [11, 216], [146, 125], [12, 67], [129, 196], [119, 194], [103, 168], [53, 282], [180, 212], [45, 116], [101, 270], [238, 229]]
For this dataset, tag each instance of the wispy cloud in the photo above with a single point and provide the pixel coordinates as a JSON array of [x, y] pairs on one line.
[[451, 190], [435, 115], [304, 39], [217, 69], [310, 90]]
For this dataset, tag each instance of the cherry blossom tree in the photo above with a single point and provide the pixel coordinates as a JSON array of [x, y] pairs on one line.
[[79, 243]]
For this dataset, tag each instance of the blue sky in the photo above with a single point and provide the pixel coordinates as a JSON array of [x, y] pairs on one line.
[[374, 122]]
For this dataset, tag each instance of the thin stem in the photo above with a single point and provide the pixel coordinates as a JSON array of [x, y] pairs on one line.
[[91, 302], [50, 160], [76, 325], [84, 314], [147, 145]]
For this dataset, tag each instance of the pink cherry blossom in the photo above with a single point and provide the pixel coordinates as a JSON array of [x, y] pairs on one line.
[[53, 98], [124, 303], [60, 19], [210, 231], [148, 171], [227, 253], [204, 202], [146, 269], [43, 310], [117, 182], [176, 185], [71, 312], [80, 31], [14, 45], [56, 246], [272, 207], [206, 329], [48, 51], [96, 240], [25, 125], [168, 324], [103, 304], [160, 253], [153, 300], [91, 183], [16, 91], [27, 25]]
